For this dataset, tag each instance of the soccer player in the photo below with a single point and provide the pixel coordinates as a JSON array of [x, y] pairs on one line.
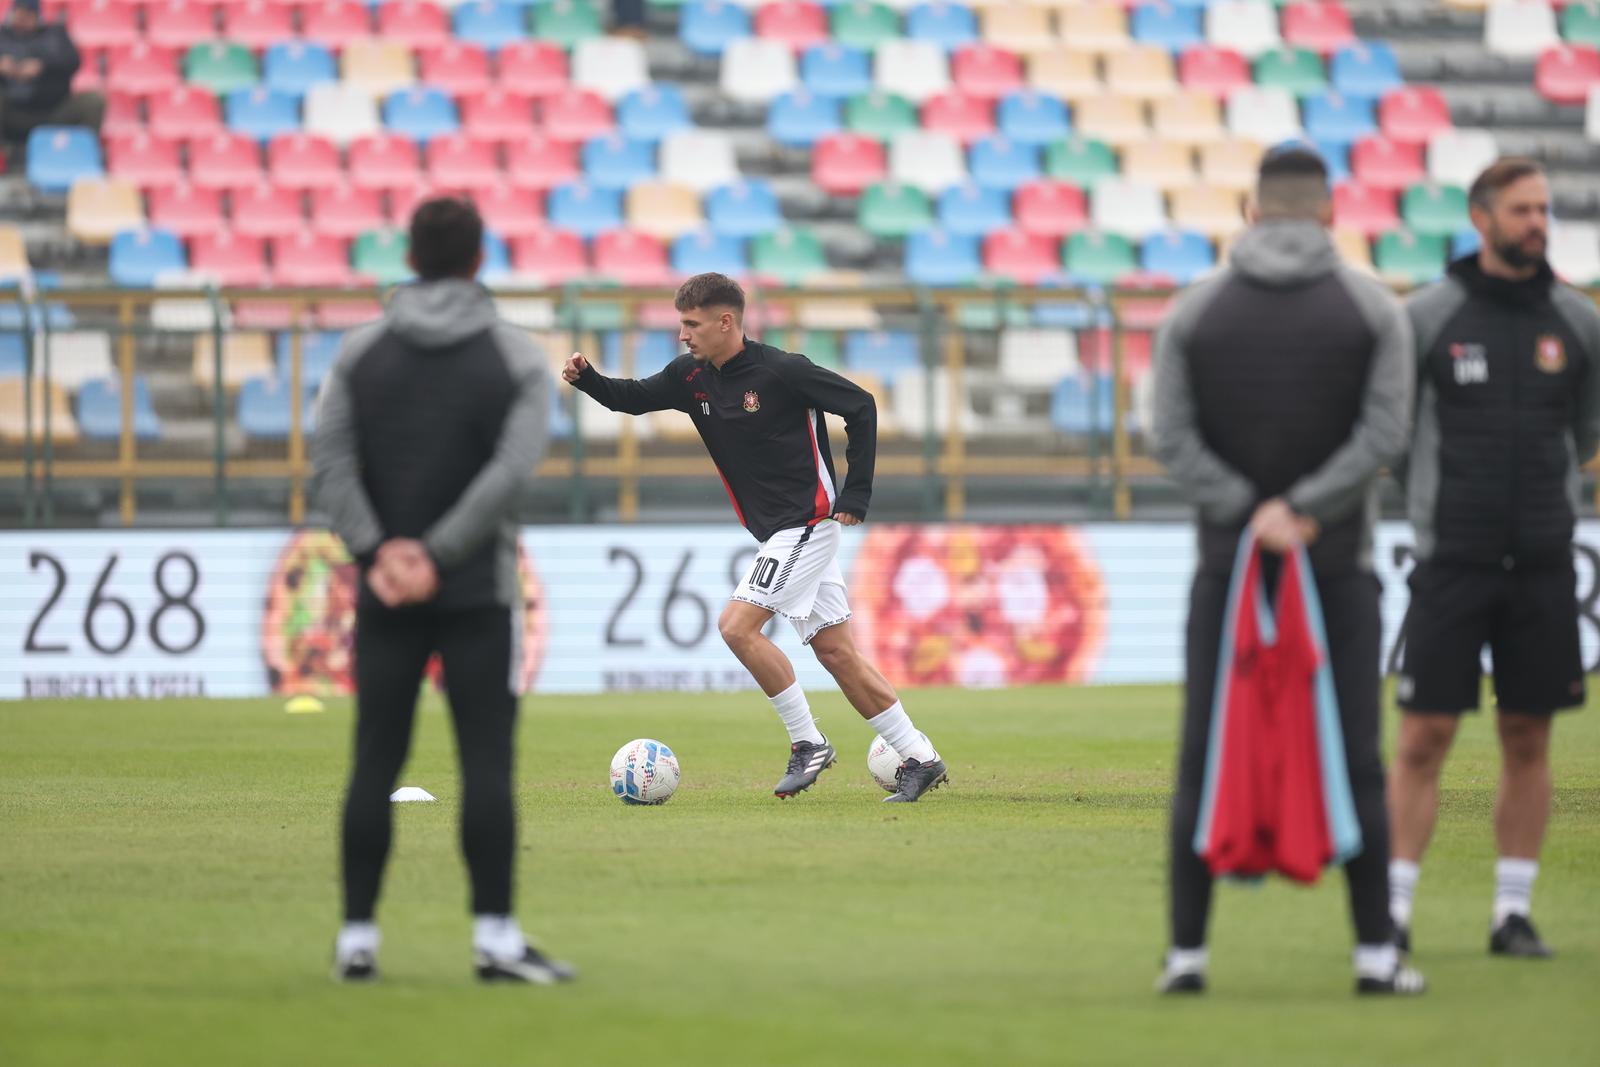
[[1283, 386], [760, 412], [428, 425], [1509, 410]]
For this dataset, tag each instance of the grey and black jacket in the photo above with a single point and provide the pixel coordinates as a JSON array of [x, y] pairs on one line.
[[1284, 374], [429, 424], [1508, 410], [57, 55]]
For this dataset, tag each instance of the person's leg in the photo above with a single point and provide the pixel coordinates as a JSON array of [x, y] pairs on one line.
[[868, 691], [740, 626], [78, 109], [1421, 747], [1522, 806]]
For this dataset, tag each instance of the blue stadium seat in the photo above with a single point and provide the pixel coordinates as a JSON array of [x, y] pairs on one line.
[[1028, 117], [800, 118], [100, 410], [584, 209], [1182, 255], [496, 258], [139, 257], [1167, 26], [561, 424], [835, 70], [703, 252], [490, 23], [612, 162], [934, 257], [1465, 243], [59, 316], [262, 113], [886, 353], [60, 155], [13, 356], [1337, 157], [318, 351], [998, 162], [1067, 314], [651, 113], [652, 350], [420, 112], [296, 66], [1080, 406], [1366, 69], [948, 25], [264, 408], [747, 209], [708, 26], [1334, 118], [974, 210]]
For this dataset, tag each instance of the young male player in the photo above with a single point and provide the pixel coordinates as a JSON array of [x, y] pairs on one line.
[[760, 412]]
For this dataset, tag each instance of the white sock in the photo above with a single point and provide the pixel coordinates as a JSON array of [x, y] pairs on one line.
[[1188, 960], [1376, 961], [356, 937], [894, 726], [1402, 887], [498, 935], [792, 708], [1513, 887]]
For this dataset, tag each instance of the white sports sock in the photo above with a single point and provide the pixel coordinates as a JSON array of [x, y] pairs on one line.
[[894, 726], [1513, 887], [1188, 960], [1376, 961], [499, 936], [792, 708], [1402, 887], [356, 937]]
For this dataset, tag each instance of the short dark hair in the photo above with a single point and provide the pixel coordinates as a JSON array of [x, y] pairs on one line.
[[1292, 182], [708, 291], [1498, 175], [446, 238]]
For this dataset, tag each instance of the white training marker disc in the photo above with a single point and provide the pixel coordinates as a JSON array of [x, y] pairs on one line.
[[408, 793]]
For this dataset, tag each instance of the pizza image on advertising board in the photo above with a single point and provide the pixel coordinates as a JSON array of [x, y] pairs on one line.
[[309, 624], [978, 606]]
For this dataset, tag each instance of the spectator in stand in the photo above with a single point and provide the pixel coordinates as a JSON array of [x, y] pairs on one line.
[[37, 64], [627, 19]]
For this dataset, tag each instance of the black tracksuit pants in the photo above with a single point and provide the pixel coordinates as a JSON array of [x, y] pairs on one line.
[[1354, 629], [392, 652]]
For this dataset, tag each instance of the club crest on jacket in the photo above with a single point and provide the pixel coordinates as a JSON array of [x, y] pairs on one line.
[[1549, 354], [752, 402]]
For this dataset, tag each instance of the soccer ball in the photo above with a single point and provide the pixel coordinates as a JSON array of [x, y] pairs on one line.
[[883, 762], [644, 772]]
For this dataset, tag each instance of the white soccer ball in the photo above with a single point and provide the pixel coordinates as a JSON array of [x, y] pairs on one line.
[[883, 762], [644, 771]]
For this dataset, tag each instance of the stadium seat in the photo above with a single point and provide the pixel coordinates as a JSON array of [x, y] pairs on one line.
[[1409, 258], [380, 68], [507, 211], [1190, 117], [756, 71], [970, 209], [1458, 156], [1051, 208], [262, 113], [576, 115], [346, 211], [985, 72], [798, 118], [584, 209], [1565, 74], [303, 161], [1029, 117], [1265, 115], [139, 256], [1022, 257], [1128, 208], [1231, 164], [100, 208], [1068, 73], [880, 116], [1591, 117], [245, 355], [846, 163], [76, 356], [1414, 113], [311, 260], [1364, 209], [744, 209], [948, 25], [1031, 359], [707, 27], [930, 161], [341, 113], [549, 257], [612, 67], [182, 113], [1143, 72], [1574, 252], [178, 24], [1364, 68], [184, 210], [700, 159], [1320, 25], [1168, 26], [1094, 27], [1520, 29], [496, 114], [293, 67], [1182, 255], [1218, 71], [539, 162], [265, 409], [1580, 23], [224, 160], [141, 68], [420, 113], [99, 410], [1082, 161], [537, 68], [835, 71], [265, 210], [798, 24], [229, 259], [384, 161], [60, 155], [999, 163], [1166, 165], [1115, 120], [915, 70], [703, 251], [122, 115], [489, 24], [888, 209], [631, 258], [146, 161], [414, 23], [219, 67], [1338, 119], [260, 25], [650, 113], [102, 23], [319, 350], [1380, 163], [335, 24], [613, 162], [1083, 405], [787, 255], [862, 24], [1430, 209], [1217, 213], [457, 67], [1249, 27], [955, 114], [885, 354], [462, 161], [1019, 28], [566, 22], [663, 210], [1465, 243], [381, 255], [1296, 70]]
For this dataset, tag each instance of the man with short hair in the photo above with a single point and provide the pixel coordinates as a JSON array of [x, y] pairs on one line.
[[37, 64], [1508, 411], [760, 412], [1282, 387], [430, 423]]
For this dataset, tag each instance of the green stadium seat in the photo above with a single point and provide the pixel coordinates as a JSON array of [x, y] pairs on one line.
[[1580, 24], [381, 255], [1099, 257], [888, 209], [220, 66], [1080, 161], [1411, 258], [972, 315], [1428, 208], [790, 255], [880, 115], [566, 22], [864, 25], [1299, 70], [820, 347]]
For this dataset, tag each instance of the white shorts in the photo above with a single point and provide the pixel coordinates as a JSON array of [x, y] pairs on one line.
[[796, 575]]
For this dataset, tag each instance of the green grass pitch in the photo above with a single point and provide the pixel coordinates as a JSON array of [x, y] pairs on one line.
[[168, 896]]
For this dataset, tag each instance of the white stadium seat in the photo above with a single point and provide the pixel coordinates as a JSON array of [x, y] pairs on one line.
[[1131, 209], [1264, 115], [1457, 156], [757, 71], [928, 161], [915, 70], [1037, 358], [613, 67], [340, 112], [1575, 252], [700, 159], [1521, 28], [1249, 27]]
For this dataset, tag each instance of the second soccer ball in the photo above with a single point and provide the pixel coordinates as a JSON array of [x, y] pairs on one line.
[[883, 763]]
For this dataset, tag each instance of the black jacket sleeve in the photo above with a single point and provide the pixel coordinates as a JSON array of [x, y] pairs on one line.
[[635, 396], [838, 395]]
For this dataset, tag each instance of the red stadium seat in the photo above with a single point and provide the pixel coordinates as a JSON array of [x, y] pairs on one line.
[[1413, 113], [91, 76], [403, 200], [414, 23], [631, 258], [1566, 73], [183, 113], [537, 68], [510, 212], [796, 23], [1380, 163], [576, 115], [304, 161], [257, 24], [179, 23], [1051, 208], [457, 67], [1364, 209], [122, 115], [233, 259], [265, 210], [1026, 258], [1320, 25], [102, 23], [541, 162], [498, 114], [311, 260], [462, 161], [335, 23], [846, 163], [553, 257], [144, 160], [186, 210], [982, 71], [1213, 70], [141, 68], [345, 211], [224, 160], [963, 117], [383, 161]]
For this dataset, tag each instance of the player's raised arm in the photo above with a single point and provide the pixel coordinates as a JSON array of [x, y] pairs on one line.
[[838, 395], [632, 396]]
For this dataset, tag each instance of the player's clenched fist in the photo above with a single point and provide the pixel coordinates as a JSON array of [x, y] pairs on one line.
[[576, 365]]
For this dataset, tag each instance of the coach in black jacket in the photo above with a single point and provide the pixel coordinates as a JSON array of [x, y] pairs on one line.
[[1283, 386]]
